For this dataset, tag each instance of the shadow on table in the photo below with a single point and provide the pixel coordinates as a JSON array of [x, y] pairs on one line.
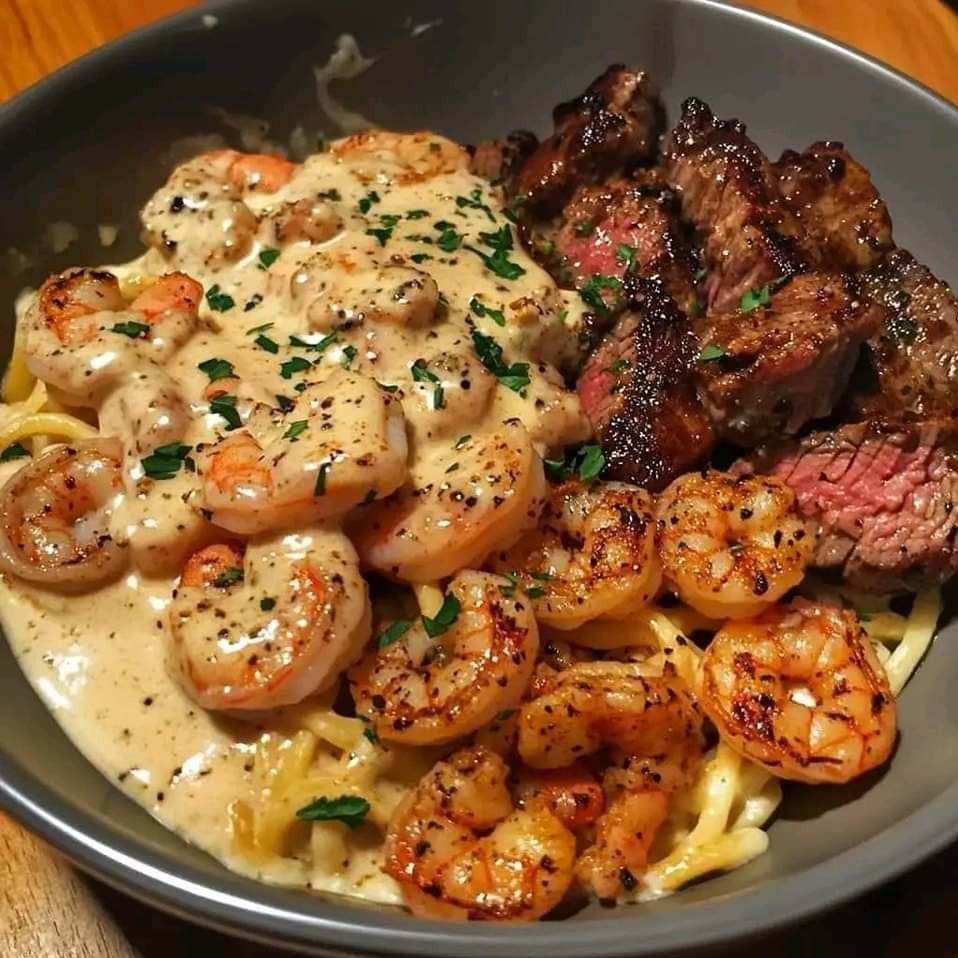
[[913, 917]]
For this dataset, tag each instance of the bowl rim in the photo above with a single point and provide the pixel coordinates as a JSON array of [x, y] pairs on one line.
[[263, 913]]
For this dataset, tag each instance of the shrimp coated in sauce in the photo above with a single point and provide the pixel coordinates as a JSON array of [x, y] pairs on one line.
[[799, 691], [404, 158], [269, 625], [464, 500], [459, 848], [56, 516], [732, 546], [426, 690], [592, 554], [343, 443]]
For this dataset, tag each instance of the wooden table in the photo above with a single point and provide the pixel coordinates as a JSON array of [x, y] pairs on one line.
[[48, 910]]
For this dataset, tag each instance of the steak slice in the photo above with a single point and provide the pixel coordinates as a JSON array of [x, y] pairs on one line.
[[727, 190], [914, 354], [845, 221], [624, 224], [610, 128], [638, 392], [884, 497], [769, 371], [499, 160]]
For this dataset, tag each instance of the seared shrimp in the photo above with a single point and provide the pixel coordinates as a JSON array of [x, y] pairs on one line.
[[573, 794], [592, 555], [269, 626], [732, 546], [402, 157], [460, 849], [422, 690], [342, 443], [799, 691], [56, 511], [595, 704], [200, 214], [463, 502], [84, 338]]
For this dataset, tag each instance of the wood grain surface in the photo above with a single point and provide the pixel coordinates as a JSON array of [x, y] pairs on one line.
[[48, 910]]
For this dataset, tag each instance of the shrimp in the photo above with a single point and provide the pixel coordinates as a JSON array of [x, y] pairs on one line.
[[403, 158], [56, 513], [84, 338], [591, 556], [732, 546], [799, 691], [200, 211], [573, 794], [459, 848], [422, 690], [306, 220], [464, 501], [269, 626], [342, 443]]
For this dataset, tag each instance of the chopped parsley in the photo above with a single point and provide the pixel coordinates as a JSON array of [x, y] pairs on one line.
[[228, 577], [165, 461], [259, 329], [349, 354], [351, 810], [591, 293], [617, 366], [416, 214], [754, 298], [285, 403], [131, 329], [392, 633], [586, 462], [514, 377], [253, 302], [444, 618], [535, 592], [422, 374], [710, 353], [320, 488], [295, 365], [225, 406], [474, 201], [501, 244], [625, 254], [217, 369], [461, 441], [449, 240], [385, 229], [267, 603], [370, 735], [420, 257], [585, 228], [264, 342], [267, 257], [14, 451], [480, 309], [318, 347], [219, 301], [367, 201], [296, 429]]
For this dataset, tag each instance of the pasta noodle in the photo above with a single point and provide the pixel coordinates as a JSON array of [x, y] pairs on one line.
[[915, 640]]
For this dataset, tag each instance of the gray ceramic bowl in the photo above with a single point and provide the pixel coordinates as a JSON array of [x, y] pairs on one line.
[[89, 144]]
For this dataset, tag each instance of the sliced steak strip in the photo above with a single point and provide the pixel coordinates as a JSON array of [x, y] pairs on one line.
[[884, 496], [499, 160], [914, 354], [727, 189], [768, 372], [625, 224], [610, 128], [638, 393], [845, 222]]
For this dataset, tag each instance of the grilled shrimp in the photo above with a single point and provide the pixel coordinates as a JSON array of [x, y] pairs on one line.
[[463, 502], [573, 794], [460, 849], [402, 157], [269, 626], [84, 338], [799, 691], [422, 690], [342, 443], [732, 546], [200, 213], [592, 554], [56, 511], [596, 704]]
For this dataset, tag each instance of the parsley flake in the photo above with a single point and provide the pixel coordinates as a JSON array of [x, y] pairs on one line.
[[514, 377], [267, 603], [444, 618], [165, 461], [591, 292], [295, 365], [392, 633], [351, 810], [710, 353], [349, 354], [264, 342], [461, 441], [367, 201], [267, 257], [449, 241], [253, 302], [219, 301], [131, 329], [480, 309], [217, 369], [296, 429], [617, 366], [225, 406], [228, 577], [320, 488], [15, 450], [421, 374], [591, 462], [474, 201], [625, 254], [416, 214]]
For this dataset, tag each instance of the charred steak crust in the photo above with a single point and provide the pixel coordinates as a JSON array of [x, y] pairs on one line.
[[611, 127], [727, 190], [499, 160], [626, 223], [845, 222], [884, 496], [638, 392], [783, 365], [914, 354]]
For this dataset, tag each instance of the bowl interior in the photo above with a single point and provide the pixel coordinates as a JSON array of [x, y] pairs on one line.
[[87, 148]]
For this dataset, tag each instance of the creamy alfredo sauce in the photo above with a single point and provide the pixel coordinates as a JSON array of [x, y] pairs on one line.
[[381, 223]]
